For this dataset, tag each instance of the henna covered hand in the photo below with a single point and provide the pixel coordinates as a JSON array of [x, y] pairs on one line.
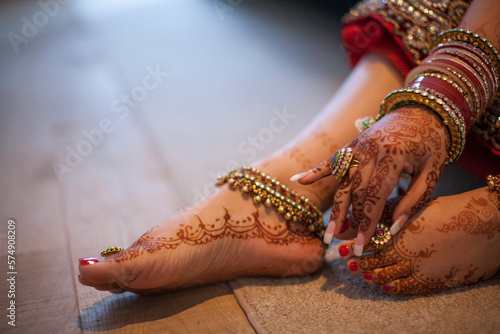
[[451, 241], [410, 139]]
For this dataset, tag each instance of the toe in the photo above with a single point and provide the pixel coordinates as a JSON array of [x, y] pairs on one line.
[[410, 286], [112, 287], [388, 274], [105, 274], [373, 261], [346, 249]]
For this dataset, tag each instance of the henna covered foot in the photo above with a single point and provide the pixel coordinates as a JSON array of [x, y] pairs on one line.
[[452, 241], [222, 238]]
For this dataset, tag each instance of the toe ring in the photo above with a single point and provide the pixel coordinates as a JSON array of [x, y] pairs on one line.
[[110, 251], [381, 237]]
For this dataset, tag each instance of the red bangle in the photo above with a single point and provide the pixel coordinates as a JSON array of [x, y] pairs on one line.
[[473, 51], [452, 95], [480, 68], [466, 71]]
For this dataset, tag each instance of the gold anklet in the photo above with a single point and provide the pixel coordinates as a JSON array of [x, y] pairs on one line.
[[272, 193], [494, 185]]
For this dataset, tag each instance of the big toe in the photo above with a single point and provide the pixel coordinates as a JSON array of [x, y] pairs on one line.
[[105, 274]]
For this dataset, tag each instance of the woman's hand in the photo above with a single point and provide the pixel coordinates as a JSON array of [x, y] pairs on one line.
[[410, 139]]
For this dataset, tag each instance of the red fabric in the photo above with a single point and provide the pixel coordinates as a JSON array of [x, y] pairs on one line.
[[479, 158], [373, 34]]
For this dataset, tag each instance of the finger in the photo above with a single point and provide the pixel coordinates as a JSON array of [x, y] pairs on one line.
[[410, 286], [315, 174], [320, 171], [348, 229], [357, 196], [387, 274], [368, 213], [344, 196], [340, 206], [418, 193]]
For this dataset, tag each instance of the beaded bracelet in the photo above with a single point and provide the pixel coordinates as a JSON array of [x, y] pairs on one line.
[[272, 193], [437, 102], [494, 185]]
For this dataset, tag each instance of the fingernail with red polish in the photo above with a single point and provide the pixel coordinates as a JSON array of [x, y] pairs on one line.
[[385, 288], [345, 225], [353, 266], [367, 276], [344, 250], [88, 260]]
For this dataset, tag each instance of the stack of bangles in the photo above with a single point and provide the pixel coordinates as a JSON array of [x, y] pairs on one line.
[[457, 81]]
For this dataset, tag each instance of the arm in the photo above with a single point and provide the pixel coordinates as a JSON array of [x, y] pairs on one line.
[[410, 139]]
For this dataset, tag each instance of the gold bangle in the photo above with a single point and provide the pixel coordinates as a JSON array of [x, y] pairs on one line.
[[448, 112], [494, 186], [272, 193]]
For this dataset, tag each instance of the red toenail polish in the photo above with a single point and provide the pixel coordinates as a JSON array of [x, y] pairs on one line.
[[345, 225], [344, 250], [385, 288], [367, 276], [353, 266], [88, 260]]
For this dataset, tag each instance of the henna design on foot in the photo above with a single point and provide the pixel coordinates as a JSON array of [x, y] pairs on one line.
[[223, 227]]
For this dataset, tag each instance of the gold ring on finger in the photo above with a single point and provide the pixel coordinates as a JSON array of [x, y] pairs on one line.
[[354, 163], [341, 162]]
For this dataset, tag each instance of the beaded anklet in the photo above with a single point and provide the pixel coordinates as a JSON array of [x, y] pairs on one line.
[[272, 193]]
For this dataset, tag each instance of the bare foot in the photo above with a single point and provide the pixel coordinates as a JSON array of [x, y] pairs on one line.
[[452, 241], [224, 237]]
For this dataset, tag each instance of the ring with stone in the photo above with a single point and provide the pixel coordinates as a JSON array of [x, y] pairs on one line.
[[110, 251], [341, 162], [381, 237]]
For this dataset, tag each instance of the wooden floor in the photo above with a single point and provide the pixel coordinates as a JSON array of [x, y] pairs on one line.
[[116, 114]]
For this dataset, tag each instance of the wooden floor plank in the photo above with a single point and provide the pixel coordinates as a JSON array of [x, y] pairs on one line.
[[61, 87], [112, 194]]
